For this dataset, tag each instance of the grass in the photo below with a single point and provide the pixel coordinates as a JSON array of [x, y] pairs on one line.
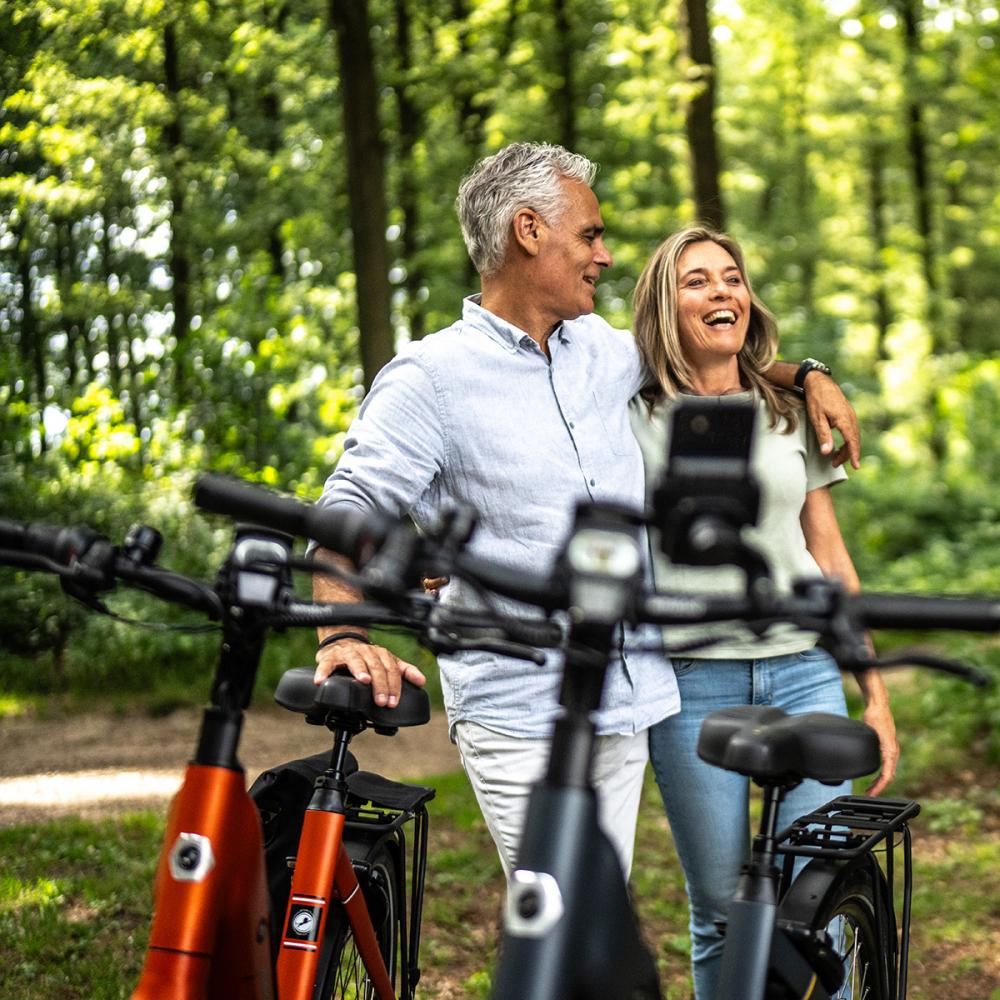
[[75, 896], [74, 906]]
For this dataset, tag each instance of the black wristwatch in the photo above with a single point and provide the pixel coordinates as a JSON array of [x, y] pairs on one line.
[[807, 366]]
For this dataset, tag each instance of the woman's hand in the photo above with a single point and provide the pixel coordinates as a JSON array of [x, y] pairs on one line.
[[878, 715]]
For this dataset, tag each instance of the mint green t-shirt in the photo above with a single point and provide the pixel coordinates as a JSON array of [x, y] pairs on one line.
[[787, 467]]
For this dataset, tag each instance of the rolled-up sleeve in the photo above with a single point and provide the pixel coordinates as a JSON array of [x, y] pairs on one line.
[[396, 447]]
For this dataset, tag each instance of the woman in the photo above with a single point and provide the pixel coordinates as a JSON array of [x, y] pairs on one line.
[[703, 332]]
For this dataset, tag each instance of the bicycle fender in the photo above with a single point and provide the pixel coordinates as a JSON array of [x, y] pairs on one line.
[[810, 888]]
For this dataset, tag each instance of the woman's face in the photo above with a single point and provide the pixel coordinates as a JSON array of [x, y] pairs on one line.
[[713, 303]]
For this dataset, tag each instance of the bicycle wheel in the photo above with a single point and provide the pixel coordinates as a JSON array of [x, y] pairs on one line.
[[867, 946], [342, 974]]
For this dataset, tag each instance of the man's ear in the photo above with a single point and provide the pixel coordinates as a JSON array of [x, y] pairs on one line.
[[527, 226]]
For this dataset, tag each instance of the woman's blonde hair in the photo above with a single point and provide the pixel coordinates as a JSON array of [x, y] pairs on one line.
[[658, 333]]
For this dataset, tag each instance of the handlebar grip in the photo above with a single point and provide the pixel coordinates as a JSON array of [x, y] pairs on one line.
[[349, 532], [12, 534], [906, 611], [61, 545], [541, 591]]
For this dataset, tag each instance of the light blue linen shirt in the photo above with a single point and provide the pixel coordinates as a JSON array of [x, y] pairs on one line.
[[476, 413]]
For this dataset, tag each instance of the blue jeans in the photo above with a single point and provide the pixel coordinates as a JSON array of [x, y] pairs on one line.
[[707, 807]]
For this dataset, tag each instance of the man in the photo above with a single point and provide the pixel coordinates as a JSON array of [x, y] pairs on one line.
[[519, 408]]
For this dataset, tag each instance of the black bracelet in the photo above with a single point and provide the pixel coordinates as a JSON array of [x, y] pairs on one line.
[[329, 640]]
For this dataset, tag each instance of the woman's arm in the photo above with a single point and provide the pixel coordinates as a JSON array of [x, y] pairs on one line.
[[826, 545], [827, 407]]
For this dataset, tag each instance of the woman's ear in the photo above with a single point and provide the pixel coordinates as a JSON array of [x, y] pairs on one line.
[[528, 228]]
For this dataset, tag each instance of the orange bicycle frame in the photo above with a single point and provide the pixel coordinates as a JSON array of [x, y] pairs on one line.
[[211, 928], [324, 873]]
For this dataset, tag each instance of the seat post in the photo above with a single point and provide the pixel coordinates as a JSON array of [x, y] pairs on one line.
[[751, 916], [330, 792], [764, 844], [342, 738]]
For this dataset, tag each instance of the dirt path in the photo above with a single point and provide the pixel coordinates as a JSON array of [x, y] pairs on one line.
[[98, 764]]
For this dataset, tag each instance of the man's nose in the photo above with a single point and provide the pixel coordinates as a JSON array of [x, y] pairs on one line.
[[602, 256]]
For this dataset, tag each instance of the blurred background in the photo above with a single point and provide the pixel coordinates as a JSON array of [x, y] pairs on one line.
[[218, 219]]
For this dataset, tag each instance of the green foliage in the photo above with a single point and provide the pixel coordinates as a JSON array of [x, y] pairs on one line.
[[162, 161]]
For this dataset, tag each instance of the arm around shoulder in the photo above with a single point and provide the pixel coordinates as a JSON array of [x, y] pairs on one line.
[[827, 406]]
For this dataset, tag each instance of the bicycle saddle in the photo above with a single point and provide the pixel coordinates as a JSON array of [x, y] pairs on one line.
[[775, 748], [340, 695]]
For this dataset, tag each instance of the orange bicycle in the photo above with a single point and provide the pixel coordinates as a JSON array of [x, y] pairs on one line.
[[339, 914]]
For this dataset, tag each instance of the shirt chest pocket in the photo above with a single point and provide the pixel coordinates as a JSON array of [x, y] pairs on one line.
[[612, 417]]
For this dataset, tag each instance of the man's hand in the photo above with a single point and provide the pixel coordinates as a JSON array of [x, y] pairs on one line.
[[369, 664], [828, 408]]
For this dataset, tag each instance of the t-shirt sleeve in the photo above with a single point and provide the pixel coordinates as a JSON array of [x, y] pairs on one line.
[[819, 468]]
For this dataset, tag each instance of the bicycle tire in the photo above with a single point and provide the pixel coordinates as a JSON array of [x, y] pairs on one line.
[[341, 974], [867, 945]]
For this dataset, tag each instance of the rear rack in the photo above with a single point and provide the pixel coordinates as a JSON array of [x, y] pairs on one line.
[[849, 827]]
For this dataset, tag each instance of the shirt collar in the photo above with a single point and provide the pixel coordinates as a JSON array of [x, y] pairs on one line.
[[506, 334]]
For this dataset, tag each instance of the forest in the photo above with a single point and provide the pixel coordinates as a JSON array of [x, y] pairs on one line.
[[219, 218]]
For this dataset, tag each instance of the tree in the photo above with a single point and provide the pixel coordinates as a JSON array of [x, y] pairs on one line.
[[700, 122], [365, 180]]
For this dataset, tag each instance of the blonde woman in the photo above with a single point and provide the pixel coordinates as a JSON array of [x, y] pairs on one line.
[[703, 332]]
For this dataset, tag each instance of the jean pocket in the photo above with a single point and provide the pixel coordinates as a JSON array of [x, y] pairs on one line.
[[815, 654], [682, 667]]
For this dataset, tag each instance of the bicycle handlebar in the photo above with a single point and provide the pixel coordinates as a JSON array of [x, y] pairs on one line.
[[351, 533], [86, 558]]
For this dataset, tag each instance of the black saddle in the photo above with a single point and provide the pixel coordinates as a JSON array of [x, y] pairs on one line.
[[775, 748], [341, 698]]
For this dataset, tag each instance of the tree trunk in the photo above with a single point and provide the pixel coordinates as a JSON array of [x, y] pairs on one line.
[[68, 315], [107, 269], [365, 181], [411, 127], [564, 97], [917, 144], [876, 219], [180, 267], [700, 121]]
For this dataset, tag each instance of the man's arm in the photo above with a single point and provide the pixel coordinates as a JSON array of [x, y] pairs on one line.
[[367, 662], [394, 449], [827, 407]]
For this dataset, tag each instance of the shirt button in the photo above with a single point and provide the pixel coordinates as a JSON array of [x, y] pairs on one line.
[[593, 482], [571, 425]]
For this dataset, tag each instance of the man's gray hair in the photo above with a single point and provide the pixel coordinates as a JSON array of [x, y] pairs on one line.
[[521, 175]]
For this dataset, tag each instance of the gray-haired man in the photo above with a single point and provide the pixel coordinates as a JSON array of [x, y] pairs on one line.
[[519, 408]]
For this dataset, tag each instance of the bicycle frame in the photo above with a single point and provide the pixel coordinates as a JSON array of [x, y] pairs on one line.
[[211, 931], [211, 928], [207, 939]]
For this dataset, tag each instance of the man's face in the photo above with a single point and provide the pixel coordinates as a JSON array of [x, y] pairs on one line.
[[572, 254]]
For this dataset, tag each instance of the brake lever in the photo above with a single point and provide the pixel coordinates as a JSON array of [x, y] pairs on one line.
[[438, 640], [974, 676]]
